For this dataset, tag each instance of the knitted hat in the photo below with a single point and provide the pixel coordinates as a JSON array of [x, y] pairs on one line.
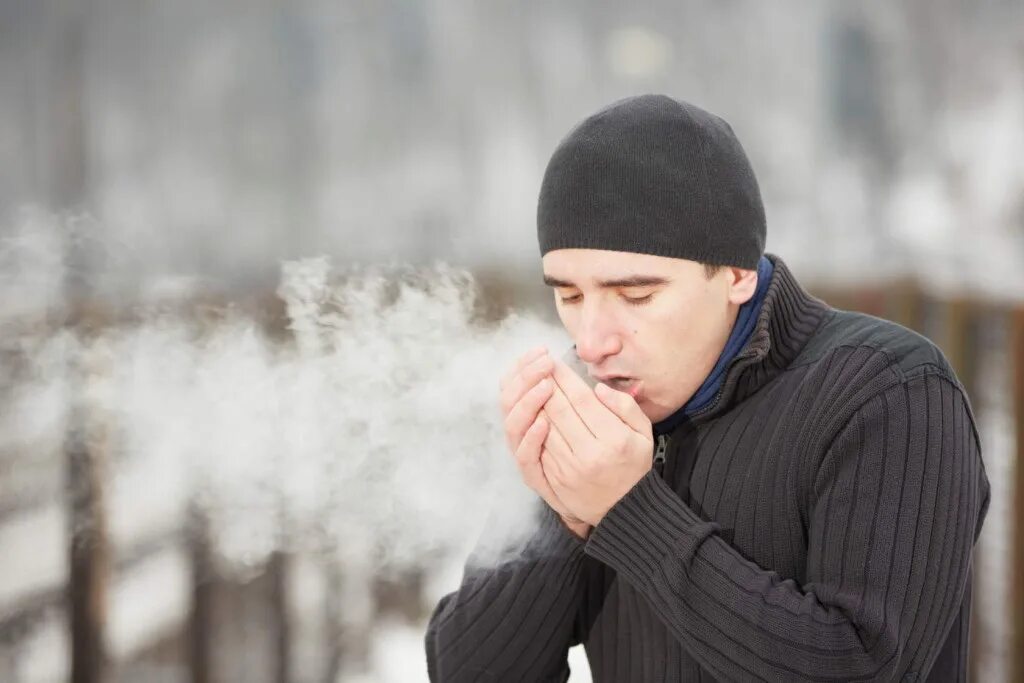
[[653, 175]]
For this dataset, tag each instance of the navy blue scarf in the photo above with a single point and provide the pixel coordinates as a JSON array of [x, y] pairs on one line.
[[742, 330]]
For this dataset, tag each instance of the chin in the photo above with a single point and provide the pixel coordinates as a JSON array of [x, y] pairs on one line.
[[653, 413]]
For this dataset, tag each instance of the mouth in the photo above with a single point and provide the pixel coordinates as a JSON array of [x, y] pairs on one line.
[[627, 385]]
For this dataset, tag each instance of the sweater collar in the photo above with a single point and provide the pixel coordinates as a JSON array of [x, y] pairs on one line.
[[787, 317]]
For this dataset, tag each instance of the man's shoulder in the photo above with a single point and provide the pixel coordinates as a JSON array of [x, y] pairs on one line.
[[877, 342], [852, 358]]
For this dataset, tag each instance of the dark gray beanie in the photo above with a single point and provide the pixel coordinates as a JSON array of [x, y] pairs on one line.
[[653, 175]]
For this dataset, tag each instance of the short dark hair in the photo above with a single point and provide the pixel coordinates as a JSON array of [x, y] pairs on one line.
[[711, 270]]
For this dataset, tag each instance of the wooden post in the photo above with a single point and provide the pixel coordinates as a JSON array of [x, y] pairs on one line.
[[870, 299], [277, 568], [1016, 359], [348, 618], [959, 340], [334, 634], [200, 625], [68, 189], [837, 298], [85, 444], [904, 304], [88, 545], [399, 594]]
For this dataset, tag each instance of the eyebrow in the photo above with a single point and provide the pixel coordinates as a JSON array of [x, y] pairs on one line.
[[628, 281]]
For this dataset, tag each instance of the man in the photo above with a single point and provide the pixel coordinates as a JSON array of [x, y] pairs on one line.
[[766, 488]]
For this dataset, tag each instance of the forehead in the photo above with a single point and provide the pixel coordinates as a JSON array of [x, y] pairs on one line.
[[590, 266]]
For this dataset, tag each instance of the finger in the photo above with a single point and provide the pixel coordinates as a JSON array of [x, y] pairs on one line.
[[560, 456], [521, 363], [528, 458], [528, 452], [592, 413], [555, 442], [554, 470], [625, 407], [564, 417], [532, 373], [524, 414]]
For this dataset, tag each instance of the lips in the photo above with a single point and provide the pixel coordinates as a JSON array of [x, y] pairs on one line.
[[626, 385], [609, 378]]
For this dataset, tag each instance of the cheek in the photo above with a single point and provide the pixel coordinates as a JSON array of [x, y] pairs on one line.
[[670, 318], [673, 336]]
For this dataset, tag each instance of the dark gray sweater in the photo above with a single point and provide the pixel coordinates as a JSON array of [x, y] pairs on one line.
[[814, 522]]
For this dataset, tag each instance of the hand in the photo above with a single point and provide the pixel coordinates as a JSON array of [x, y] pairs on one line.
[[523, 392], [599, 445]]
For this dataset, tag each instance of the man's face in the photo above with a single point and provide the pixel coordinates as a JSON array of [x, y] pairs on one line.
[[655, 320]]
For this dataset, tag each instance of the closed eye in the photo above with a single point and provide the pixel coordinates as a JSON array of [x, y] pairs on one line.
[[638, 301], [632, 301]]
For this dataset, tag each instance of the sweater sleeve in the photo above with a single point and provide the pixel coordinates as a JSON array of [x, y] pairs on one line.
[[515, 621], [895, 506]]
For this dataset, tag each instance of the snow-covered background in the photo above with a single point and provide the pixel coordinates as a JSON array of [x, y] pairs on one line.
[[308, 231]]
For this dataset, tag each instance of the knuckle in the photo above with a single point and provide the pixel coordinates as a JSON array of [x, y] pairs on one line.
[[541, 361], [534, 390], [523, 463], [540, 389]]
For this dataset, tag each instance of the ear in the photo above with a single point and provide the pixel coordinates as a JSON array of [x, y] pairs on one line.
[[742, 285]]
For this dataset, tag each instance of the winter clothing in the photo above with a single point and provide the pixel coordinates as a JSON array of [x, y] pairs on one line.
[[653, 175], [813, 521]]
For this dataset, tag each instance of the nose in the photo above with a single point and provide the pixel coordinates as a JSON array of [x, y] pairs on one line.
[[596, 336]]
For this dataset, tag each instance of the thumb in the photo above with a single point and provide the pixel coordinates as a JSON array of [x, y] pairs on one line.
[[624, 407]]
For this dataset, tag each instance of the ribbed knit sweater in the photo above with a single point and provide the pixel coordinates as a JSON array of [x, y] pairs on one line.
[[814, 522]]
